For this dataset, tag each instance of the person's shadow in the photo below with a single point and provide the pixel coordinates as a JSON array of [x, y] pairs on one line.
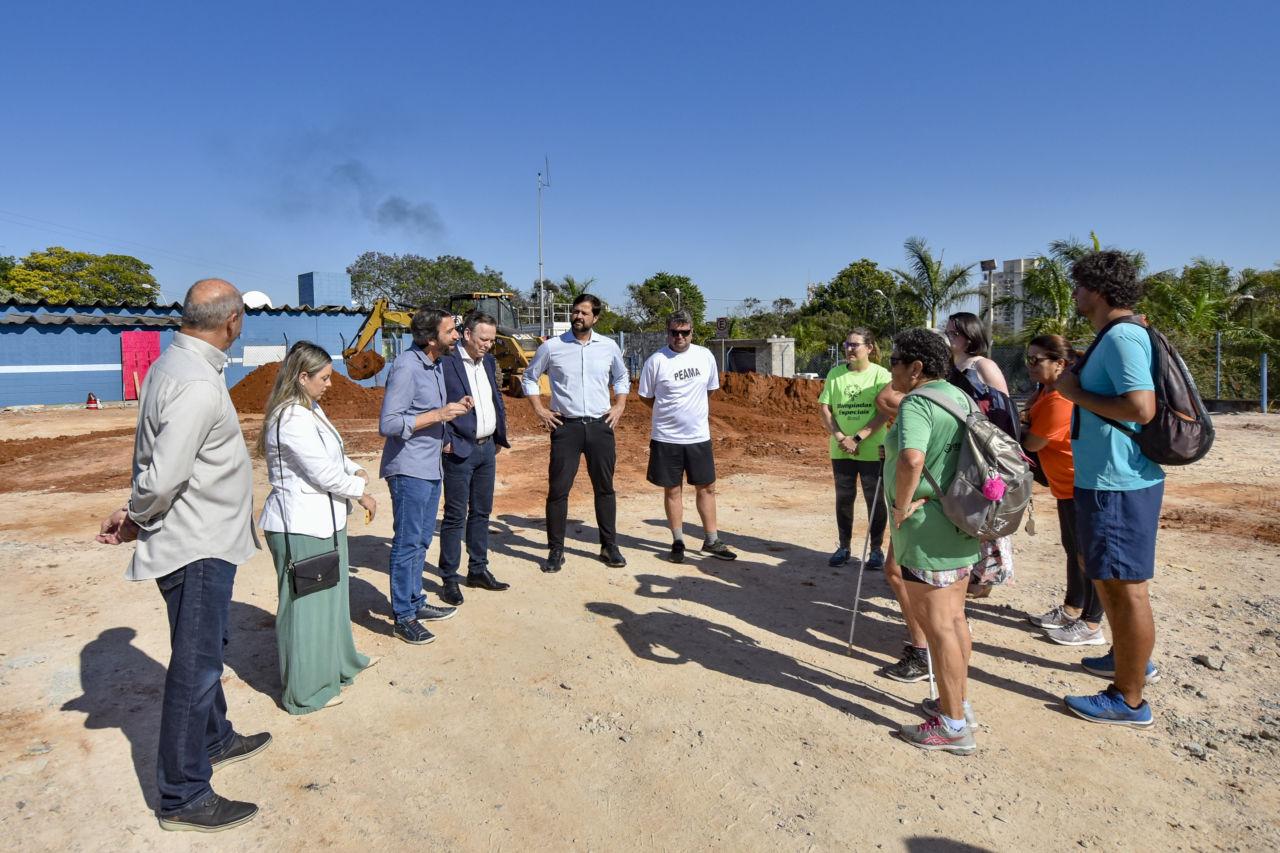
[[667, 637], [123, 689]]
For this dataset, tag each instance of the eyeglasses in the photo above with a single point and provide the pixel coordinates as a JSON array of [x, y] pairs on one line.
[[894, 361], [1033, 360], [954, 333], [680, 333], [855, 345]]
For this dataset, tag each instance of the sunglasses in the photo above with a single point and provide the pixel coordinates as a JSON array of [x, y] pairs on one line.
[[680, 333], [1032, 361], [894, 361]]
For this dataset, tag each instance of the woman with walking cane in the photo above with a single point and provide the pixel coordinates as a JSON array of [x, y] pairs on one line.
[[305, 519], [935, 557]]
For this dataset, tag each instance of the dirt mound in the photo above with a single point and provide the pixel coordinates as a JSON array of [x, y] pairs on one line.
[[344, 400], [771, 393]]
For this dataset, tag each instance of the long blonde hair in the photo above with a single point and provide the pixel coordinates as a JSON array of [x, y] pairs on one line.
[[304, 357]]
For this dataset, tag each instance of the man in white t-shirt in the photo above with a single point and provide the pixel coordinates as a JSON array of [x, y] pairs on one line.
[[676, 382]]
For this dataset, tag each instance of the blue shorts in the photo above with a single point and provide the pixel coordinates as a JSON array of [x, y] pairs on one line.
[[1117, 532]]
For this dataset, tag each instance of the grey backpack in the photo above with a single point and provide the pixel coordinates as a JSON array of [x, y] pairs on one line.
[[992, 487]]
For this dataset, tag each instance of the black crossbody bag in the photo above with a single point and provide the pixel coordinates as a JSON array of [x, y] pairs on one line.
[[311, 574]]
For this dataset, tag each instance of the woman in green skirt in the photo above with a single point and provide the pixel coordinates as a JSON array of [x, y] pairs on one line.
[[312, 485]]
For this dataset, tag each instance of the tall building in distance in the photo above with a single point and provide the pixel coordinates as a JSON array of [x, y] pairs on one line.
[[1007, 281]]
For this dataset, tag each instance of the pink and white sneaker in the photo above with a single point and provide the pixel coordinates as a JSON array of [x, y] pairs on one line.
[[933, 734]]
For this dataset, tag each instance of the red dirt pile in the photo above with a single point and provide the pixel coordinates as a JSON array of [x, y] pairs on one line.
[[745, 401]]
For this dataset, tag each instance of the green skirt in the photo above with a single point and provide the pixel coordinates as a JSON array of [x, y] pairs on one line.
[[318, 656]]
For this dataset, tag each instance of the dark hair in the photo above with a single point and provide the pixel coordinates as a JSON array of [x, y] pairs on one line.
[[1054, 346], [926, 347], [596, 305], [1111, 275], [476, 318], [973, 330], [425, 325], [679, 318], [868, 338]]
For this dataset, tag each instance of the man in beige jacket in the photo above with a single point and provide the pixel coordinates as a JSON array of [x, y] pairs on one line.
[[190, 510]]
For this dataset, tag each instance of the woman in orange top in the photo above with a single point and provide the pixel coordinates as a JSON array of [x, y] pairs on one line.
[[1078, 620]]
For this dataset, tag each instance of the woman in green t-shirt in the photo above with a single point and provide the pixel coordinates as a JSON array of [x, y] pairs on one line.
[[847, 408], [934, 555]]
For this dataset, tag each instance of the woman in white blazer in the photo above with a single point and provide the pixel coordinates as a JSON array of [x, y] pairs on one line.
[[312, 485]]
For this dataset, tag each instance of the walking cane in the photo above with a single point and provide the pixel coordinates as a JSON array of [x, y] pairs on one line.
[[866, 545]]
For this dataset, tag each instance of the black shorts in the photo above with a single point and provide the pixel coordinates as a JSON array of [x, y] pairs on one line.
[[668, 463]]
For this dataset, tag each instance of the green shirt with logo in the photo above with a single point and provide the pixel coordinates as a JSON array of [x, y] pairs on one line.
[[851, 394], [928, 540]]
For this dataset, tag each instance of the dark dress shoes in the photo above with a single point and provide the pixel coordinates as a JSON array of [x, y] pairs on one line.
[[612, 557], [241, 747], [451, 594], [212, 814], [486, 580], [555, 560]]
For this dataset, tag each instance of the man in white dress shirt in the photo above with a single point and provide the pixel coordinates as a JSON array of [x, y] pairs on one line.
[[583, 368], [676, 383]]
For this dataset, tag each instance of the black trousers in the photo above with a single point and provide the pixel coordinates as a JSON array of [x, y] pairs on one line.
[[1080, 591], [569, 442], [847, 473]]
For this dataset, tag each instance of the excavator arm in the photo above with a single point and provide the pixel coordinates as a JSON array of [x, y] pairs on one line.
[[362, 362]]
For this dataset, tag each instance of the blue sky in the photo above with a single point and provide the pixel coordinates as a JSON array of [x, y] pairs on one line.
[[754, 147]]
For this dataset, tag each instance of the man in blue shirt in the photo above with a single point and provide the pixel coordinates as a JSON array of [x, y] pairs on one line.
[[1118, 490], [583, 367], [414, 412]]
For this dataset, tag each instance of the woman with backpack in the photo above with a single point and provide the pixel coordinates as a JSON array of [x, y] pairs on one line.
[[1078, 620], [978, 376], [934, 556]]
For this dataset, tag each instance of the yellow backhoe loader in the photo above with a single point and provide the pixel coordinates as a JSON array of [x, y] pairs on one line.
[[512, 349]]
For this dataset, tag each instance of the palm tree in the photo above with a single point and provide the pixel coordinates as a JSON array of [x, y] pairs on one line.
[[570, 288], [1046, 291], [927, 283]]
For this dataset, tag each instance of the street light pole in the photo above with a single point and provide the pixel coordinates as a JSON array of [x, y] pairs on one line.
[[544, 180], [893, 312]]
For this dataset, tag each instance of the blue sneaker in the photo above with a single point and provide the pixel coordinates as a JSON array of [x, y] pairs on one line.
[[876, 560], [839, 557], [1105, 667], [1109, 707]]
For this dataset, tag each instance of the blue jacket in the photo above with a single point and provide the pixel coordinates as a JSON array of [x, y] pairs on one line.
[[462, 429]]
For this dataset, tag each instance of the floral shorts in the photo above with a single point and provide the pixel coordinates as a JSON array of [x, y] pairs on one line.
[[944, 578]]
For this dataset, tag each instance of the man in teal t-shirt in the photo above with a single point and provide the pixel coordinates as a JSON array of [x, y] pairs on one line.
[[847, 408], [1118, 491]]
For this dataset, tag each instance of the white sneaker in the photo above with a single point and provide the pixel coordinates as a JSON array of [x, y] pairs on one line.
[[1077, 633], [1055, 618]]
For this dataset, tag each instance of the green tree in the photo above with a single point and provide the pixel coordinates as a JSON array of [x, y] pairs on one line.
[[929, 284], [655, 297], [410, 281], [61, 275], [7, 262], [852, 293]]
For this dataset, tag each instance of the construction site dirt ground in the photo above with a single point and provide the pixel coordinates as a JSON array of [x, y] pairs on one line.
[[708, 705]]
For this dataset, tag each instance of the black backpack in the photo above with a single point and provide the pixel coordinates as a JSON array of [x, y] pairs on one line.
[[1181, 431]]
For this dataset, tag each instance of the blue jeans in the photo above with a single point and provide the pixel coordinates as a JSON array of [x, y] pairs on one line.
[[468, 500], [414, 502], [193, 714]]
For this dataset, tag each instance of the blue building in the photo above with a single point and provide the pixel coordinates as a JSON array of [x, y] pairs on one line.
[[60, 353]]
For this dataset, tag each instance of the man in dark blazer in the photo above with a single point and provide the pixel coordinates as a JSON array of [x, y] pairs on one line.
[[469, 463]]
